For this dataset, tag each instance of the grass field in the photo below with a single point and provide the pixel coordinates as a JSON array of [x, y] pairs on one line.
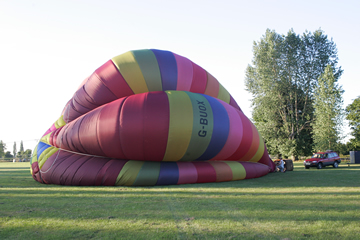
[[302, 204]]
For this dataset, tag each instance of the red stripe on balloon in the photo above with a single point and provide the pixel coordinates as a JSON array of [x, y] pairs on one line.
[[68, 137], [206, 172], [109, 130], [36, 173], [109, 172], [132, 127], [199, 79], [234, 103], [265, 159], [254, 144], [250, 169], [51, 138], [87, 172], [69, 175], [246, 140], [88, 133], [52, 172], [156, 125], [113, 79], [99, 94], [187, 173], [73, 110], [255, 170], [58, 138], [54, 136]]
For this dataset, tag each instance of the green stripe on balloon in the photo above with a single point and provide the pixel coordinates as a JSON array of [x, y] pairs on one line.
[[149, 68], [202, 127]]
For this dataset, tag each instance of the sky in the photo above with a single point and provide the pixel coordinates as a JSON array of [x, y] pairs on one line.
[[47, 48]]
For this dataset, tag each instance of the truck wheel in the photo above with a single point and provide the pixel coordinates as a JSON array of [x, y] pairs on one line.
[[335, 165], [320, 165]]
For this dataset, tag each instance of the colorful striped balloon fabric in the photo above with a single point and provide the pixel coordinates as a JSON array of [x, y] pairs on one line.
[[150, 117]]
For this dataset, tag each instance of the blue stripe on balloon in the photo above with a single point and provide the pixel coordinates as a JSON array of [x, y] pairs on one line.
[[169, 174], [41, 147], [220, 131], [168, 69]]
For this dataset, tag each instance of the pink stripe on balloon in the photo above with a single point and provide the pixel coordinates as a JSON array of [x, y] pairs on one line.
[[235, 133], [246, 140], [255, 170], [52, 128], [199, 80], [187, 173], [185, 73]]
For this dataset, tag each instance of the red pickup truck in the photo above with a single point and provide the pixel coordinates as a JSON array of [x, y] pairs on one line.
[[322, 159]]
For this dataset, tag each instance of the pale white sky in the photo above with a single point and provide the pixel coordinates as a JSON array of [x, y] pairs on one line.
[[48, 47]]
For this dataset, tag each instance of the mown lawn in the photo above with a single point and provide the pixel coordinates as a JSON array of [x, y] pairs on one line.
[[302, 204]]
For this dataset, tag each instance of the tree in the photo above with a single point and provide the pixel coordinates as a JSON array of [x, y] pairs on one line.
[[353, 116], [8, 155], [282, 80], [21, 146], [24, 155], [27, 153], [342, 148], [328, 111], [351, 145], [2, 148], [14, 149]]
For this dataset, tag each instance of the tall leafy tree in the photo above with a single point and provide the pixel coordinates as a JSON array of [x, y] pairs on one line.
[[14, 149], [328, 111], [353, 116], [282, 78], [21, 146], [2, 148], [264, 82]]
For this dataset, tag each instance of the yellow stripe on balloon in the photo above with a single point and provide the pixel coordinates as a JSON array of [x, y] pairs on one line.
[[212, 86], [237, 169], [260, 152], [130, 70], [60, 122], [256, 149], [46, 154], [180, 127], [46, 138], [223, 94], [128, 173]]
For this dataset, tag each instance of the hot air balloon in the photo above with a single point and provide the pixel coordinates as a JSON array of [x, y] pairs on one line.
[[150, 117]]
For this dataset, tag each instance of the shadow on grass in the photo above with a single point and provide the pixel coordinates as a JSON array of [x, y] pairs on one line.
[[122, 205], [167, 212], [143, 230]]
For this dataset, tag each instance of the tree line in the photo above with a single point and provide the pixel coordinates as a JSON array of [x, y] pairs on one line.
[[297, 101], [21, 154]]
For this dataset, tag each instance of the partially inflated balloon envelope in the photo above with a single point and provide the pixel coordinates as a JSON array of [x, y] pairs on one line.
[[150, 117]]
